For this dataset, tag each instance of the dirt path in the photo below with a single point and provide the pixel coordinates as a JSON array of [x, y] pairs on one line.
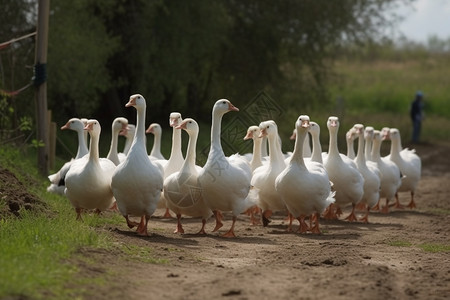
[[382, 259]]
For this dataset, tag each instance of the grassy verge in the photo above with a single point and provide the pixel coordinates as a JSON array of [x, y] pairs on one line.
[[35, 245]]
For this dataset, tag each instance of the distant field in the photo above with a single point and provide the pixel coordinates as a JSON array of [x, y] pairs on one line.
[[380, 92]]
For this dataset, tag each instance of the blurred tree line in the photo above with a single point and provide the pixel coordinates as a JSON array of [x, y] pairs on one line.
[[182, 55]]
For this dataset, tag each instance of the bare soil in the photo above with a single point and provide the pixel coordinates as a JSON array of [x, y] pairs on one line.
[[386, 258]]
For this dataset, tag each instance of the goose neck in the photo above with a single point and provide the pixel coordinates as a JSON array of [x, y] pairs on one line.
[[275, 153], [297, 154], [333, 146], [360, 153], [176, 144], [215, 132], [256, 158], [376, 146], [82, 148], [156, 149], [189, 163], [139, 135], [316, 149], [93, 149]]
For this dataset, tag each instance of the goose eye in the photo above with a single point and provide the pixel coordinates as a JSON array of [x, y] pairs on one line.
[[190, 122], [268, 126], [224, 102]]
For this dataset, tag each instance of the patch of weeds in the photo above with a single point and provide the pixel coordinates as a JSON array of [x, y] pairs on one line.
[[434, 248], [440, 211], [400, 244]]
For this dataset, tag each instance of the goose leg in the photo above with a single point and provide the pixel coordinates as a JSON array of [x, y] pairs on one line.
[[365, 219], [385, 208], [412, 204], [78, 211], [130, 223], [230, 232], [179, 226], [329, 213], [352, 217], [167, 214], [142, 228], [303, 228], [265, 217], [315, 228], [377, 206], [218, 215], [290, 219], [202, 231], [397, 203]]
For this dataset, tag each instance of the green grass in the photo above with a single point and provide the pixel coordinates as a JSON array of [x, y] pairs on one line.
[[400, 244], [434, 248], [36, 248]]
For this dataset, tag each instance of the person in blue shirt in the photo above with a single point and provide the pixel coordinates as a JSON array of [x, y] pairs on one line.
[[416, 113]]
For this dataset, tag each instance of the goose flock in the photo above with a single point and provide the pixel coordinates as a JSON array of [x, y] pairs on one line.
[[306, 184]]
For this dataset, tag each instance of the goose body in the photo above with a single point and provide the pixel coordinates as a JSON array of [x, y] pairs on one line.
[[347, 180], [269, 200], [181, 189], [156, 130], [304, 188], [137, 182], [225, 182], [409, 164], [372, 180], [57, 180], [390, 178], [118, 125], [88, 179], [256, 158], [129, 136]]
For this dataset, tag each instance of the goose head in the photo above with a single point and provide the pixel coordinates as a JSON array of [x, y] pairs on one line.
[[223, 106], [154, 128], [136, 100], [252, 132], [368, 133], [120, 124], [268, 128], [359, 129], [394, 134], [377, 136], [385, 133], [175, 119], [333, 123], [302, 124], [189, 125], [74, 124], [314, 128], [93, 127], [129, 131]]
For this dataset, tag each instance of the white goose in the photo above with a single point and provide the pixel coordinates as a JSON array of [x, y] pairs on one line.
[[256, 159], [225, 184], [347, 180], [263, 178], [137, 182], [129, 136], [181, 189], [314, 130], [350, 137], [88, 179], [176, 159], [57, 184], [304, 188], [390, 173], [368, 139], [118, 125], [371, 175], [409, 164], [156, 130]]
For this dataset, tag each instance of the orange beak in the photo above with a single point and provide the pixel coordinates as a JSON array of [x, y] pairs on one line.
[[231, 107]]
